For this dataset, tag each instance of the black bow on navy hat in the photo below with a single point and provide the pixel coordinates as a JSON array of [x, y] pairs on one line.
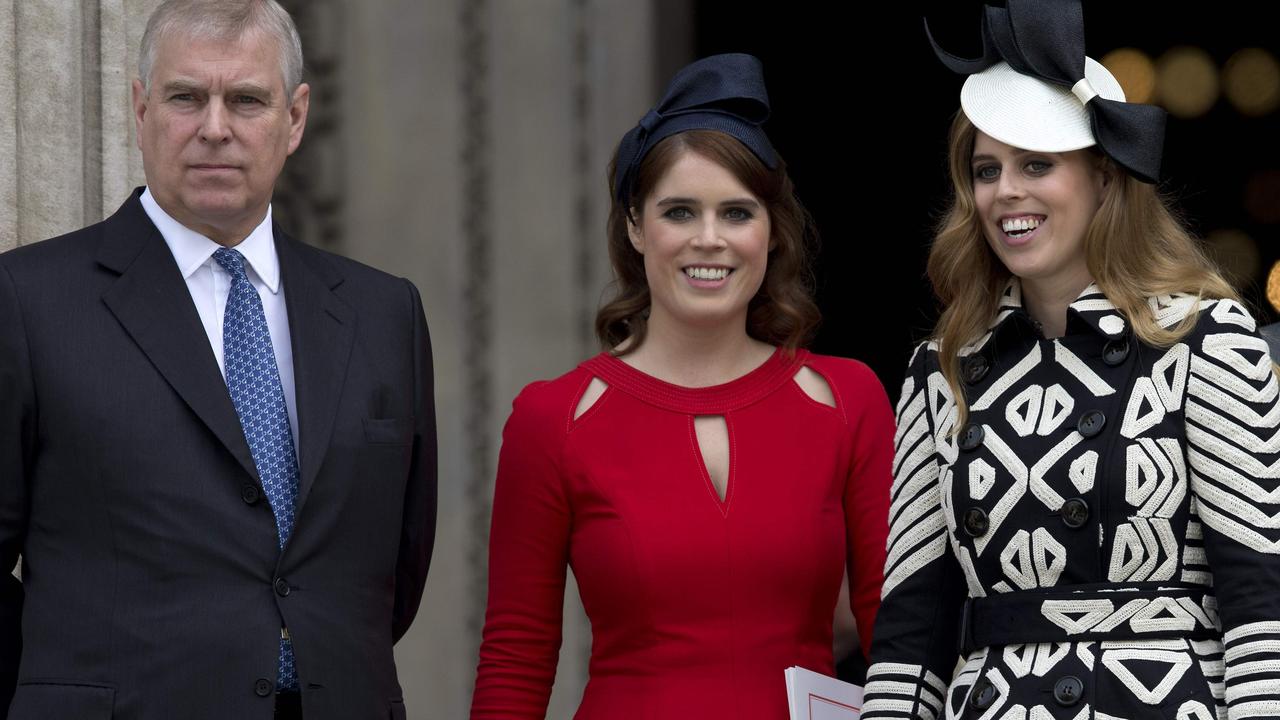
[[1044, 39], [721, 92]]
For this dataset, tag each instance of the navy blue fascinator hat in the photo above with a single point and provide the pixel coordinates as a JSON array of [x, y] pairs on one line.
[[722, 92], [1033, 88]]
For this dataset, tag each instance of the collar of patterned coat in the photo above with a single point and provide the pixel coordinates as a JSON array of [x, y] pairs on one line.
[[1091, 311]]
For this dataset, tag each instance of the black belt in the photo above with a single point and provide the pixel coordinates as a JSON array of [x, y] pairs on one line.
[[1104, 611]]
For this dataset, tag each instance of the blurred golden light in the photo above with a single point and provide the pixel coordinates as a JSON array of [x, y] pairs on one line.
[[1186, 81], [1251, 81], [1135, 72], [1273, 286], [1236, 255]]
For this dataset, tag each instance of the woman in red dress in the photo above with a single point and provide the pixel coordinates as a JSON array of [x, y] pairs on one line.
[[708, 480]]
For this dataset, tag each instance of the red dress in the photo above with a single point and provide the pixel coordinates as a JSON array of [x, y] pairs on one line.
[[697, 605]]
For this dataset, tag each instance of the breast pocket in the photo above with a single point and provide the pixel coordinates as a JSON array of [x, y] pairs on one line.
[[388, 431], [41, 700]]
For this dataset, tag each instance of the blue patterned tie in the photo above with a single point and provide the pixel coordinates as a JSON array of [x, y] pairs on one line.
[[256, 392]]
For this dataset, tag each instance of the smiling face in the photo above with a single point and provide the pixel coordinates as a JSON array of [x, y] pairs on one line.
[[215, 129], [705, 241], [1035, 209]]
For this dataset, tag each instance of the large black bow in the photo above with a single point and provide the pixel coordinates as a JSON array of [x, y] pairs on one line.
[[721, 92], [1045, 39]]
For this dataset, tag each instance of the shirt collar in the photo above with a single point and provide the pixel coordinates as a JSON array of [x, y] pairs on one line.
[[191, 250], [1091, 311]]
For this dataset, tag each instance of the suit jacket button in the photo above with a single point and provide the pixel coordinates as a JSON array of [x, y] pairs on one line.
[[263, 687], [1091, 423], [975, 368], [282, 587], [249, 494], [982, 694], [1075, 513], [1115, 352], [976, 522], [971, 438], [1067, 690]]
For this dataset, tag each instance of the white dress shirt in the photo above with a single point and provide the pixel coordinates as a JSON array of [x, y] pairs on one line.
[[210, 285]]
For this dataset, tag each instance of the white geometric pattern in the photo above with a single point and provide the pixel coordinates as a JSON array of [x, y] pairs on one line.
[[1008, 379], [1037, 659], [1058, 405], [917, 526], [1013, 466], [1230, 312], [1038, 409], [903, 690], [1023, 411], [1155, 477], [1036, 480], [1177, 662], [1233, 429], [958, 696], [1040, 559], [1081, 370], [1253, 648], [1077, 617], [1143, 615], [981, 478], [1145, 409], [1111, 324], [1169, 375], [1186, 468], [1083, 470], [1138, 546], [1192, 710]]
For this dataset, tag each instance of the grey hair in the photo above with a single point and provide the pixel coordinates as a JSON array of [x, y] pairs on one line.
[[223, 20]]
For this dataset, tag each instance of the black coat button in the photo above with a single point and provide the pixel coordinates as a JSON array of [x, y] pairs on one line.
[[971, 438], [250, 494], [282, 587], [263, 687], [1116, 352], [1075, 513], [975, 368], [1067, 690], [976, 522], [982, 694], [1091, 423]]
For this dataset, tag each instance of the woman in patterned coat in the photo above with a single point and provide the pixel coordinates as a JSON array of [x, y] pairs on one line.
[[1085, 510]]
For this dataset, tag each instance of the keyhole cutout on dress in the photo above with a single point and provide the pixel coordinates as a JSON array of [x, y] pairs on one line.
[[593, 392], [713, 443], [815, 386]]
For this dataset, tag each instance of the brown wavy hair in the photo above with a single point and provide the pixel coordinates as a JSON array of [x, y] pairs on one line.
[[1135, 248], [782, 312]]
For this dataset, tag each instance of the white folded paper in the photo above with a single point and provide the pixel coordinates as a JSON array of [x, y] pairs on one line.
[[813, 696]]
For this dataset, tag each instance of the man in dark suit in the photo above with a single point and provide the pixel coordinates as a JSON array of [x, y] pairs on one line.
[[217, 444]]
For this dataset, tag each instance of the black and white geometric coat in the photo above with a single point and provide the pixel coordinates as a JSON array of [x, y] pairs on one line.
[[1102, 538]]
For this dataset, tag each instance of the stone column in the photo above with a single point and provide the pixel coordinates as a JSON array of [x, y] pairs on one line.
[[476, 135], [67, 151]]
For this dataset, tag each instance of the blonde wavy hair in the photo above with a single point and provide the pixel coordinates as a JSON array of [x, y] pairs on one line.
[[1135, 248]]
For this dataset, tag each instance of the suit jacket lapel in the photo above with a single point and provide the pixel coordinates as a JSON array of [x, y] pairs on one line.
[[323, 330], [152, 302]]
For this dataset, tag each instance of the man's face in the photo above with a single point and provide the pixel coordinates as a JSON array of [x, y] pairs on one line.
[[215, 129]]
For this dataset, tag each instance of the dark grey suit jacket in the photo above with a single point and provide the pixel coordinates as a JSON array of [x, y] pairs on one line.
[[152, 586]]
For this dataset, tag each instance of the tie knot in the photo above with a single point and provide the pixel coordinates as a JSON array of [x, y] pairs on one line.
[[231, 261]]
